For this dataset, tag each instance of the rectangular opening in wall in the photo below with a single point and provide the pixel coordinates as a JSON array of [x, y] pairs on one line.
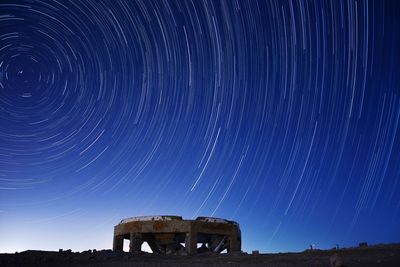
[[126, 245]]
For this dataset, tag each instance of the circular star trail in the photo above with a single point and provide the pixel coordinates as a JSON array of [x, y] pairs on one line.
[[282, 115]]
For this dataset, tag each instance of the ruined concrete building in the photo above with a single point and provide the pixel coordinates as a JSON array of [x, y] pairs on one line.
[[173, 235]]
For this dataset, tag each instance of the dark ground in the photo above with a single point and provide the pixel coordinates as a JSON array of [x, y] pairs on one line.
[[378, 255]]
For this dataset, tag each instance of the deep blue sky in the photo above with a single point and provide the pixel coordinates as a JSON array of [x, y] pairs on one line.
[[281, 115]]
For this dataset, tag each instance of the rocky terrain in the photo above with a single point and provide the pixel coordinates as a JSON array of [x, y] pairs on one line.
[[378, 255]]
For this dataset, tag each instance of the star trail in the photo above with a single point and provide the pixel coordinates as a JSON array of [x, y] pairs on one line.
[[281, 115]]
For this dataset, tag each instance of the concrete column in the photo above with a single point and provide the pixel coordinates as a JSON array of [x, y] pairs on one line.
[[235, 242], [222, 244], [135, 244], [153, 245], [149, 238], [118, 243], [191, 242], [215, 240]]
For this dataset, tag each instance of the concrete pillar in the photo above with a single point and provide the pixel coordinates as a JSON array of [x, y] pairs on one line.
[[153, 245], [191, 242], [222, 244], [215, 240], [235, 242], [118, 243], [135, 244]]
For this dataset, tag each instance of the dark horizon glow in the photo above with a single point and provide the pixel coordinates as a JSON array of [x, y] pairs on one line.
[[281, 115]]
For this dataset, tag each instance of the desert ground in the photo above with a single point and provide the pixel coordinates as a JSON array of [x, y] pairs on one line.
[[377, 255]]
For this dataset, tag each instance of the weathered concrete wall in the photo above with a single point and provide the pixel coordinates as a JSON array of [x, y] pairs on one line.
[[164, 234]]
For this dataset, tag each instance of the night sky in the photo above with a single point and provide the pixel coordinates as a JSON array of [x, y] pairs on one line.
[[281, 115]]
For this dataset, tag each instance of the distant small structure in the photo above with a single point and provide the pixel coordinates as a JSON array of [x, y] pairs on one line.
[[363, 244], [173, 235]]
